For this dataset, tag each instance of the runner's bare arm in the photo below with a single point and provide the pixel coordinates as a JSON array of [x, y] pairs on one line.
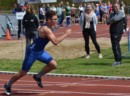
[[56, 40]]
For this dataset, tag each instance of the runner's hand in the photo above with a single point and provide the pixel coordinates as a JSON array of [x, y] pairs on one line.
[[68, 31]]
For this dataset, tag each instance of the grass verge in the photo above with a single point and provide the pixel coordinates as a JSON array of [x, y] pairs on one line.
[[92, 66]]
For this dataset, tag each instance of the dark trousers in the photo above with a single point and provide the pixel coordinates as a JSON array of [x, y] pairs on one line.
[[68, 21], [30, 35], [90, 32], [19, 28], [115, 40], [101, 15], [60, 19], [42, 18]]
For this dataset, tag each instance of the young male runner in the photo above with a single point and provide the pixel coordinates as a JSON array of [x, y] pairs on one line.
[[36, 52]]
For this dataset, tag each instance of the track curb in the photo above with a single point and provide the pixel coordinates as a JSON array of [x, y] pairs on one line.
[[75, 75]]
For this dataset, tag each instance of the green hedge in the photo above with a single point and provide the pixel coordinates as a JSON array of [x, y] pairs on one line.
[[7, 4]]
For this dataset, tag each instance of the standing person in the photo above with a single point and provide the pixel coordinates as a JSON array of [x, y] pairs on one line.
[[42, 13], [122, 6], [116, 31], [47, 8], [26, 5], [109, 7], [84, 6], [68, 14], [53, 8], [36, 52], [105, 12], [60, 15], [81, 9], [100, 11], [30, 23], [93, 6], [73, 11], [14, 10], [18, 8], [63, 13], [97, 12], [125, 20], [88, 21]]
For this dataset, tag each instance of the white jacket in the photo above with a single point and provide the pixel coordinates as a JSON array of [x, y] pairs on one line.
[[93, 18]]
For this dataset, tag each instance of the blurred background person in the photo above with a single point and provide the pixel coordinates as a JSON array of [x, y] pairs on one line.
[[53, 8], [30, 23], [63, 12], [93, 6], [18, 8], [73, 12], [68, 14], [42, 14], [97, 12], [104, 12], [26, 5], [88, 21], [47, 7], [100, 11], [122, 6], [15, 9], [109, 7], [60, 14], [81, 9]]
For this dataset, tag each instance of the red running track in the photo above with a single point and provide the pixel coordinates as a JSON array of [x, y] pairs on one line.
[[102, 31], [67, 86], [70, 86]]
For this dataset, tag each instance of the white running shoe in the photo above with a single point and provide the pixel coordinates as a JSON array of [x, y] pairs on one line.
[[100, 56], [7, 90], [87, 56]]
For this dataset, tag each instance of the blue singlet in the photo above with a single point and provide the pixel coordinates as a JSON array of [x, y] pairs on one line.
[[36, 52]]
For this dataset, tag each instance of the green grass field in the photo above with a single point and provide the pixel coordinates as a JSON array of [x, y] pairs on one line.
[[93, 66]]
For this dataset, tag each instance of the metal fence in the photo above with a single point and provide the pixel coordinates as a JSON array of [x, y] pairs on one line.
[[8, 21]]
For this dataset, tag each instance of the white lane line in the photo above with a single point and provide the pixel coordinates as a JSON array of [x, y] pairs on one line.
[[71, 84], [66, 84], [66, 92], [32, 81]]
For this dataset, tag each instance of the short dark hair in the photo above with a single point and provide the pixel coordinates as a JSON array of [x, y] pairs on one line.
[[50, 14], [116, 3]]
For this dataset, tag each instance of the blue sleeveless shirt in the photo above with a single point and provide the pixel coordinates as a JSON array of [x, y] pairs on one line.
[[39, 44]]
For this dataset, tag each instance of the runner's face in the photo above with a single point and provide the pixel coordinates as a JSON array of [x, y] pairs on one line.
[[54, 20]]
